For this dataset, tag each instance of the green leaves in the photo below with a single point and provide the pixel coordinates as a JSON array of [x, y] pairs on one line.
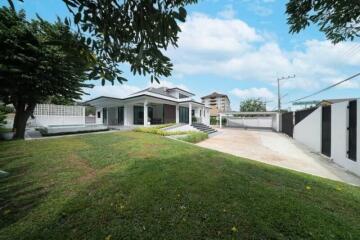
[[253, 105], [338, 19], [114, 30]]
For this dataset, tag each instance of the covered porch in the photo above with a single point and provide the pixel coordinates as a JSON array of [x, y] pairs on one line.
[[148, 111]]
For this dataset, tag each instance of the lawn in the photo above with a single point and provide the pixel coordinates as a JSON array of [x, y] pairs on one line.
[[131, 185]]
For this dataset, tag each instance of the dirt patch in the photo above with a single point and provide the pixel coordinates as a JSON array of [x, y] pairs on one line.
[[83, 166]]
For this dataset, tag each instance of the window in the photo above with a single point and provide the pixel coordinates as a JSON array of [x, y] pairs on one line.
[[98, 114]]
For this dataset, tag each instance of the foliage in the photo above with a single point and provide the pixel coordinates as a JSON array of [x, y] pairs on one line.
[[39, 60], [2, 117], [60, 100], [90, 110], [194, 119], [130, 185], [132, 31], [159, 130], [216, 121], [194, 137], [253, 105], [6, 109], [338, 19]]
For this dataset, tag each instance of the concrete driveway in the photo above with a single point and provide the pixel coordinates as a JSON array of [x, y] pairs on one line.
[[276, 149]]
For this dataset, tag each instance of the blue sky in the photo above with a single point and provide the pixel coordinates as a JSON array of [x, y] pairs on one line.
[[239, 48]]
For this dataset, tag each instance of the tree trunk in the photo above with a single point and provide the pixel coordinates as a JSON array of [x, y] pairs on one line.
[[22, 114]]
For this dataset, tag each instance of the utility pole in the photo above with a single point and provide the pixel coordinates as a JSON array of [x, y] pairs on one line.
[[278, 84]]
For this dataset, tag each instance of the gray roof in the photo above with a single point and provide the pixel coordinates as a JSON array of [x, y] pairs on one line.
[[162, 91], [338, 100]]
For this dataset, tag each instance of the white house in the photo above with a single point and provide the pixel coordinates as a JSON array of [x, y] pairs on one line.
[[150, 106]]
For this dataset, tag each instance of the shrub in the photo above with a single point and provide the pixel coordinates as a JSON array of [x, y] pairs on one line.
[[2, 117], [195, 137], [159, 130], [216, 121]]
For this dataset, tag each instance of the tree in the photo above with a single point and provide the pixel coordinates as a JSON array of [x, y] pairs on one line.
[[338, 19], [253, 105], [39, 60], [129, 31]]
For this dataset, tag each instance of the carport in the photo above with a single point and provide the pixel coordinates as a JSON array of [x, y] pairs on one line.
[[256, 120]]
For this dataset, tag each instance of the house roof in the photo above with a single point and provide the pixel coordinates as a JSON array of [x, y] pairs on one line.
[[215, 94], [163, 91], [107, 100], [332, 101]]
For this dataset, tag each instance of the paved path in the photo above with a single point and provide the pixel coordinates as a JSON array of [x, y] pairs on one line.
[[276, 149]]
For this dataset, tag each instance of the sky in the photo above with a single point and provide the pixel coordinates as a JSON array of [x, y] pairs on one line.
[[239, 48]]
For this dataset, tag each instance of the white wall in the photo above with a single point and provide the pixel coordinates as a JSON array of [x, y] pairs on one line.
[[51, 114], [276, 122], [339, 136], [308, 131], [251, 122], [128, 115], [100, 119]]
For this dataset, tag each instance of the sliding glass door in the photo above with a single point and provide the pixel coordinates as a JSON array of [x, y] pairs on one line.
[[120, 115], [184, 114], [138, 115]]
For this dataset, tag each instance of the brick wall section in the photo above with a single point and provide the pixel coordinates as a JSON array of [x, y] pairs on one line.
[[169, 113]]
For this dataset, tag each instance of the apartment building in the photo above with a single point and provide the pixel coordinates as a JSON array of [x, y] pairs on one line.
[[217, 103]]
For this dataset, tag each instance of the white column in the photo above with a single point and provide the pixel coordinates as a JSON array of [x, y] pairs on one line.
[[145, 113], [220, 120], [203, 116], [190, 115], [177, 114], [126, 123]]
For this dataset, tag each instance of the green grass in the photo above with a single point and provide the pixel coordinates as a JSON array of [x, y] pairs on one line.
[[194, 137], [130, 185]]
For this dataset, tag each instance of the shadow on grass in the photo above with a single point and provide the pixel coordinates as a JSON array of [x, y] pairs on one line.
[[18, 196], [204, 195]]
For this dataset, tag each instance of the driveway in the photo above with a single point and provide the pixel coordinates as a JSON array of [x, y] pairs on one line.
[[276, 149]]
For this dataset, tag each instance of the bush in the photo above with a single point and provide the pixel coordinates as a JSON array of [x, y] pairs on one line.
[[158, 130], [215, 121], [6, 109], [2, 117], [195, 137]]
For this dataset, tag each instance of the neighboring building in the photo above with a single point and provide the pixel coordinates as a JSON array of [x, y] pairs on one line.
[[150, 106], [218, 103]]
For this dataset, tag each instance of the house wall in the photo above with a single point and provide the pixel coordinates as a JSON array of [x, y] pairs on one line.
[[99, 120], [339, 136], [169, 114], [308, 131]]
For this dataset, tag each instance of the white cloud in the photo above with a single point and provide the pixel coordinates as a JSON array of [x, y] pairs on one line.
[[262, 93], [230, 48], [116, 90], [228, 12], [165, 83], [201, 33]]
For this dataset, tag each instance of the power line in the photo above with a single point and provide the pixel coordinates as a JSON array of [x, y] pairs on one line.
[[325, 89], [278, 87]]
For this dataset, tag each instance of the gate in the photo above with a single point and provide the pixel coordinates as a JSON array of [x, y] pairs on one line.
[[287, 123], [301, 114], [326, 131], [352, 130]]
